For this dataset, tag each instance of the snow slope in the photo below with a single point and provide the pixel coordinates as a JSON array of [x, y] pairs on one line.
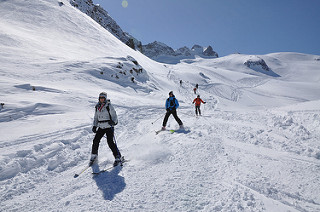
[[255, 148]]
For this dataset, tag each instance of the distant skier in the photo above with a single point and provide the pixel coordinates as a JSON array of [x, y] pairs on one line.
[[171, 106], [195, 90], [105, 118], [197, 102], [180, 83]]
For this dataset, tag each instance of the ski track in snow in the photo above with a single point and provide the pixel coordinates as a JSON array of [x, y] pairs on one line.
[[213, 161], [223, 161]]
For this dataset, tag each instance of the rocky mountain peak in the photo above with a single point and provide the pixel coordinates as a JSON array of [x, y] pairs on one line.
[[102, 17], [156, 50], [163, 53], [209, 52]]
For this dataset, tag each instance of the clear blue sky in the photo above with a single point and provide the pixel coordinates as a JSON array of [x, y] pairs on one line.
[[229, 26]]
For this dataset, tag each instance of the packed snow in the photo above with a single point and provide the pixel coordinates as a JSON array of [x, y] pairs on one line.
[[255, 148]]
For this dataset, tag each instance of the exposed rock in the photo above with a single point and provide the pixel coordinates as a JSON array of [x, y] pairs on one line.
[[184, 51], [257, 62], [156, 49], [102, 17], [209, 52], [163, 53]]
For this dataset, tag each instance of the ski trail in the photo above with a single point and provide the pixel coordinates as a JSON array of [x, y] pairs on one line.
[[214, 162], [270, 204]]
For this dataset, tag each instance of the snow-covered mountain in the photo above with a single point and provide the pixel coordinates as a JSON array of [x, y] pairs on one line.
[[165, 54], [255, 147], [102, 17], [157, 51]]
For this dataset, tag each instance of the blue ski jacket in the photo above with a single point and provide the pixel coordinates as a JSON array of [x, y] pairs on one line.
[[172, 103]]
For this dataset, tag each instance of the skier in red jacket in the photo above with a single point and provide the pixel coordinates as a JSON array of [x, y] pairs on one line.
[[197, 102]]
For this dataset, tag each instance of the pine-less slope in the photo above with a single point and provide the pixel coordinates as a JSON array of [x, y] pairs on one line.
[[223, 162], [243, 154]]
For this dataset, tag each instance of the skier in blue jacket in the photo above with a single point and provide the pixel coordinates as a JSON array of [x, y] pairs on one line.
[[171, 106]]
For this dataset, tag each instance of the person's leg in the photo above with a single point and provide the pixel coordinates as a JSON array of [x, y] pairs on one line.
[[111, 144], [174, 113], [198, 110], [166, 117], [96, 141]]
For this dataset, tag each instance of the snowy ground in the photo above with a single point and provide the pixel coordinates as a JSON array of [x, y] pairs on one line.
[[256, 147]]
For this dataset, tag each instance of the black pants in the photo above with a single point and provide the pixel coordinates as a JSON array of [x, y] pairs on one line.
[[96, 141], [174, 113], [198, 110]]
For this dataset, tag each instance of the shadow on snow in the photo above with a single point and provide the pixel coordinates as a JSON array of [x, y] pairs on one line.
[[110, 183]]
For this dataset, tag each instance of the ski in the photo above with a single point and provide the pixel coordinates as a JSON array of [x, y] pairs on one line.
[[171, 131], [83, 170], [103, 170], [158, 131], [111, 167]]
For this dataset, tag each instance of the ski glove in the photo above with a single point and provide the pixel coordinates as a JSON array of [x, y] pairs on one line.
[[94, 129]]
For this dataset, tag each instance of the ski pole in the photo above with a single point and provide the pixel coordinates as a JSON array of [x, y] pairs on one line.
[[83, 170], [156, 119]]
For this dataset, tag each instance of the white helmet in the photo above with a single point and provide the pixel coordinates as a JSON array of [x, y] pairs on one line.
[[103, 95]]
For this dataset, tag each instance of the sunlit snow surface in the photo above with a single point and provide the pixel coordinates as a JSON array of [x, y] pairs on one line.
[[255, 147]]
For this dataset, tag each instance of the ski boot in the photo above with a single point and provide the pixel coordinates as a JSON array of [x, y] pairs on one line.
[[118, 161], [93, 159]]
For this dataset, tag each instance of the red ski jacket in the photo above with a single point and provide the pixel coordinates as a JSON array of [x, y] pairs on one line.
[[198, 101]]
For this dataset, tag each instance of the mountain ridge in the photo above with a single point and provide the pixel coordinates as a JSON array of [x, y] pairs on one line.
[[163, 53], [156, 50]]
